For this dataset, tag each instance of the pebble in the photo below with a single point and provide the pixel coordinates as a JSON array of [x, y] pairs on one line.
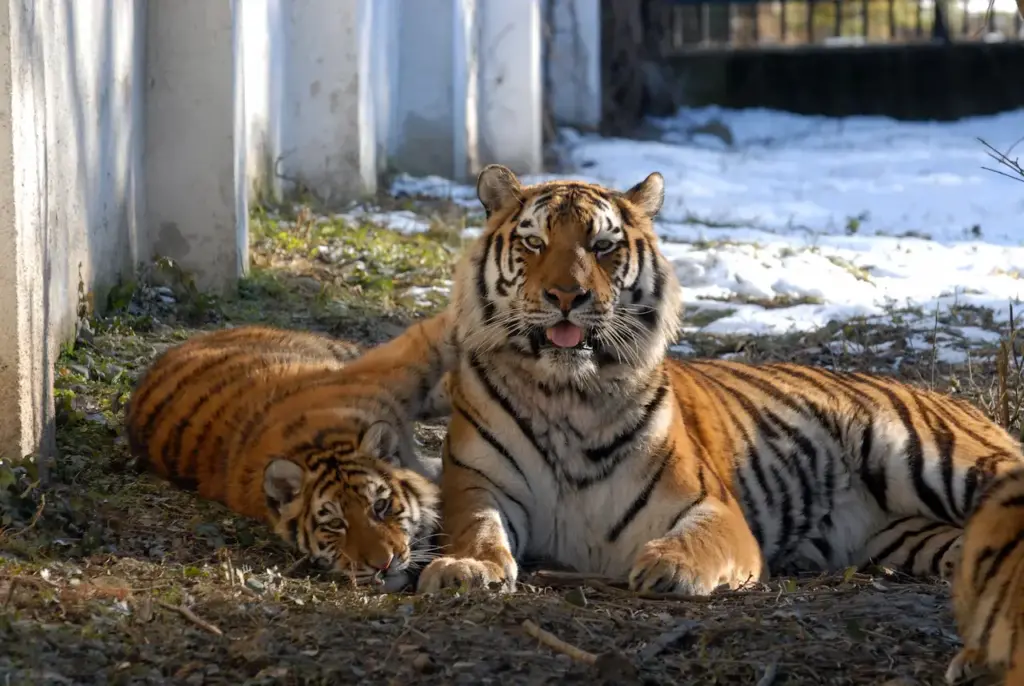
[[424, 664]]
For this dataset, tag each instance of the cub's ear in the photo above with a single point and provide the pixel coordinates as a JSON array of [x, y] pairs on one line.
[[282, 483], [497, 187], [381, 441], [648, 195]]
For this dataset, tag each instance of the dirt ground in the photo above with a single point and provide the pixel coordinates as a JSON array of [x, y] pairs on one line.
[[108, 576]]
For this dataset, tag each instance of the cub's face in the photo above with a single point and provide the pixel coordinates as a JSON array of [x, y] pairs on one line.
[[569, 274], [353, 512]]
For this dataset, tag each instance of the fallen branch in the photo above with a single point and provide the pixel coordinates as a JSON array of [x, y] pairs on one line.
[[191, 616], [557, 644]]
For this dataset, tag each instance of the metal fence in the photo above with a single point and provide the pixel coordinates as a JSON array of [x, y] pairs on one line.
[[680, 25]]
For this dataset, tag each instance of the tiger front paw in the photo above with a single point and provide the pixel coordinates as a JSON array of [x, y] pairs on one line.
[[962, 666], [449, 572], [665, 565]]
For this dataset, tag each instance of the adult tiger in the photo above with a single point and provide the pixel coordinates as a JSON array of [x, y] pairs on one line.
[[988, 586], [574, 438], [300, 431]]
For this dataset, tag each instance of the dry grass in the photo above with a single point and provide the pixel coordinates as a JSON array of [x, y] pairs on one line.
[[110, 576]]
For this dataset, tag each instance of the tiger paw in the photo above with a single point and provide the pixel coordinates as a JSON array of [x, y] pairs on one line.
[[451, 572], [666, 566], [962, 666]]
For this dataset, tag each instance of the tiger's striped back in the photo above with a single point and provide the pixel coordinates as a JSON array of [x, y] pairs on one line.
[[801, 437], [206, 365], [988, 589], [294, 429]]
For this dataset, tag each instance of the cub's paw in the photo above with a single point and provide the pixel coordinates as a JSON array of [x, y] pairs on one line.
[[665, 566], [448, 572]]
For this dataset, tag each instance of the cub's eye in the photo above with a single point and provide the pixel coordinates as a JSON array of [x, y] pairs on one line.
[[334, 524], [533, 242], [603, 245], [381, 507]]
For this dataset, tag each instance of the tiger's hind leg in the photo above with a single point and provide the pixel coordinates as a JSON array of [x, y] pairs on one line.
[[917, 546]]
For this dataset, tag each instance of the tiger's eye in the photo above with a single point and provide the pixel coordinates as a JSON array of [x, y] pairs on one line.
[[335, 524], [533, 242], [603, 245], [381, 507]]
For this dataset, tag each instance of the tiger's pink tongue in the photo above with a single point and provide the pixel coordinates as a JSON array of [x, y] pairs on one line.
[[565, 335]]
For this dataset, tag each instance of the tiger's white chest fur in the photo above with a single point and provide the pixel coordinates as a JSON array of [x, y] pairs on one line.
[[565, 499]]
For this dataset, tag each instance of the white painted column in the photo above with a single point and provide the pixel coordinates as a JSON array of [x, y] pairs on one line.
[[262, 57], [384, 81], [574, 62], [511, 129], [195, 152], [330, 144], [465, 90]]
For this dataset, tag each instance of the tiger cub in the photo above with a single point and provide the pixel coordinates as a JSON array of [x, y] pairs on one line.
[[305, 433], [988, 586]]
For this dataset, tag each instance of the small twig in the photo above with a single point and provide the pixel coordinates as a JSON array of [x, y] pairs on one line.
[[667, 639], [296, 566], [557, 644], [191, 616], [768, 678]]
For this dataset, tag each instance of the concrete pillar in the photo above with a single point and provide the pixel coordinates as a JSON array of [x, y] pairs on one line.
[[330, 144], [195, 142], [511, 126], [573, 87]]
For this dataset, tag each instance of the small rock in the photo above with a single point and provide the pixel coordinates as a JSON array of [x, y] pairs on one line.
[[80, 370], [111, 372], [85, 333], [576, 597], [255, 584], [615, 668], [424, 664]]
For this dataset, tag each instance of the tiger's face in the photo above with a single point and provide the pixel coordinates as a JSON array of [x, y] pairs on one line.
[[569, 274], [352, 511]]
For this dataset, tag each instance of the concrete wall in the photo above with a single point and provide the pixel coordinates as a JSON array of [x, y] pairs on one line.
[[71, 182], [424, 109]]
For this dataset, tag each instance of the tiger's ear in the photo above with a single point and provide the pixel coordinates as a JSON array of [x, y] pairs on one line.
[[648, 195], [282, 483], [497, 187], [381, 441]]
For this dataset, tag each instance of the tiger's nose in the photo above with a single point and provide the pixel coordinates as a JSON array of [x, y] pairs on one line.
[[567, 299], [382, 562]]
